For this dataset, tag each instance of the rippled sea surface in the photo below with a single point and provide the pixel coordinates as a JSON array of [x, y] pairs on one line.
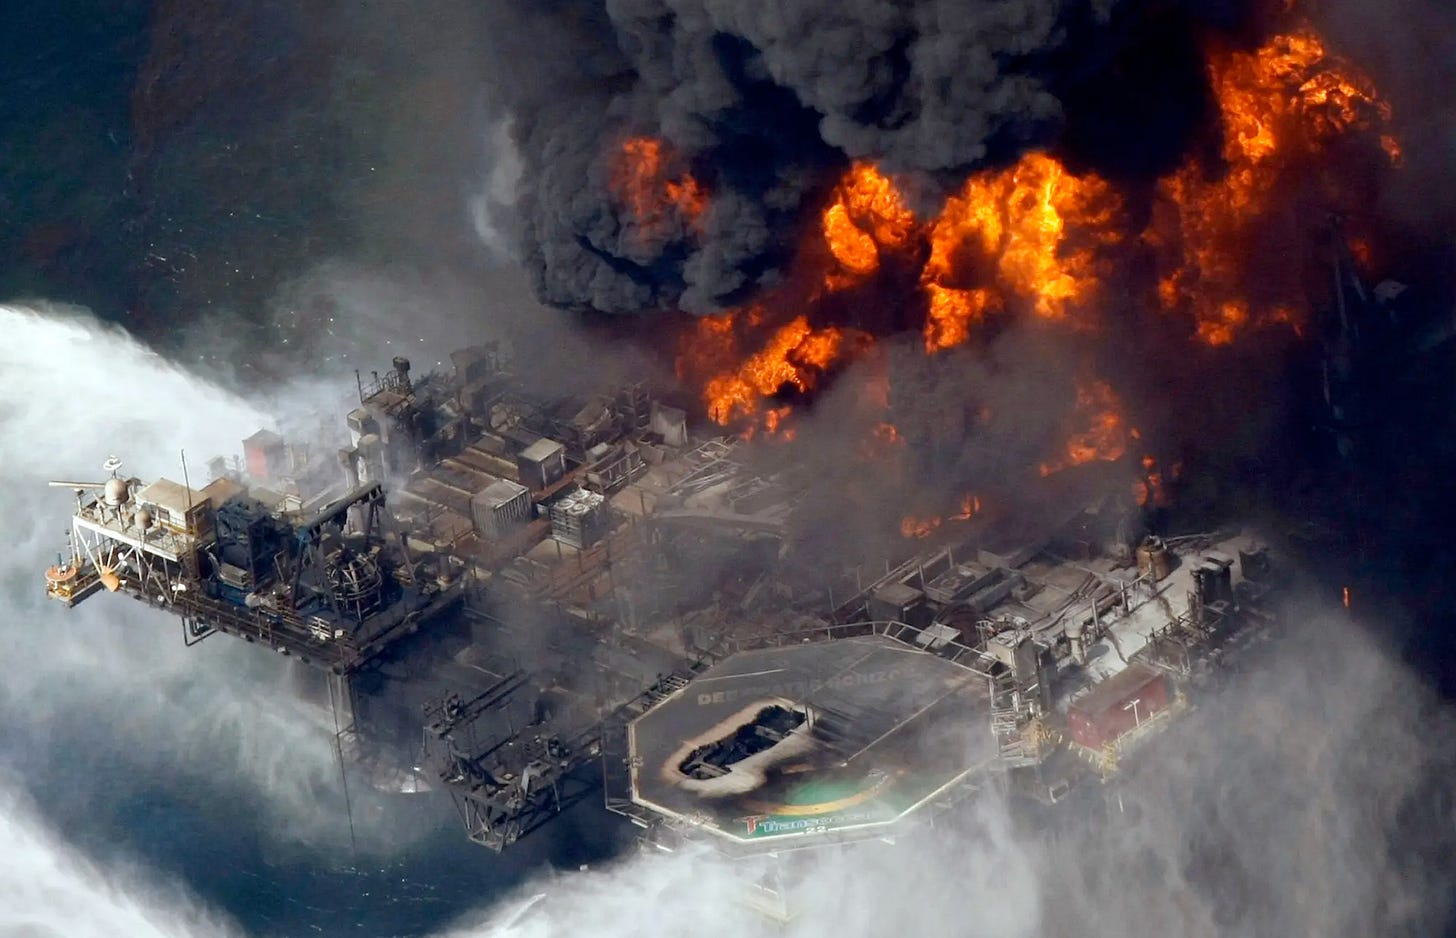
[[163, 163]]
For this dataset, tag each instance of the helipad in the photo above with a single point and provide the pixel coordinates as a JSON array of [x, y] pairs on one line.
[[825, 741]]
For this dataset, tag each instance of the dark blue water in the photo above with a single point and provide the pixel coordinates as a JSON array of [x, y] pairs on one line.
[[178, 812], [159, 161], [167, 161], [67, 69]]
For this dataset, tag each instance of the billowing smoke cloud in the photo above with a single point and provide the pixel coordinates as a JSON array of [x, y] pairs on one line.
[[491, 206], [877, 72], [756, 100], [1411, 51], [1307, 796], [690, 154]]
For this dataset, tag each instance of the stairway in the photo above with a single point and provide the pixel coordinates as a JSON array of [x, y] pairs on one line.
[[1010, 714]]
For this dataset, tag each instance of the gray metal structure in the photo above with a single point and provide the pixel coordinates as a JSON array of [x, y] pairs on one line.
[[475, 652]]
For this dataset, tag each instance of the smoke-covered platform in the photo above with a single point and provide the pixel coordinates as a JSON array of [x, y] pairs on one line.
[[816, 742], [521, 596]]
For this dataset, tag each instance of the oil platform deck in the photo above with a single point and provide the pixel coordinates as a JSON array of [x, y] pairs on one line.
[[504, 594]]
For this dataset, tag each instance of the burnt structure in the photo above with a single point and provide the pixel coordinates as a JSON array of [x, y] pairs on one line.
[[810, 742], [516, 599], [448, 567]]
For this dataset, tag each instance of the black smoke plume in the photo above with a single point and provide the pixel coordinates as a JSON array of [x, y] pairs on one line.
[[765, 103]]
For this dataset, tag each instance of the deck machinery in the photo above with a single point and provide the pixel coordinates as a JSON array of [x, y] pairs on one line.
[[1031, 669], [446, 666], [325, 585], [485, 579]]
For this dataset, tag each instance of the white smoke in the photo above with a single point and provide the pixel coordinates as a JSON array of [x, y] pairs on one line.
[[973, 880], [1307, 797], [496, 196], [113, 675], [48, 890]]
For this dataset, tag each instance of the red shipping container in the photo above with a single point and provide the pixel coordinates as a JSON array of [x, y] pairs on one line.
[[1118, 704], [263, 454]]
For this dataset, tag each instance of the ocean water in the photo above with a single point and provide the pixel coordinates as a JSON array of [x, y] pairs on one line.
[[68, 68], [154, 790], [165, 165], [142, 778]]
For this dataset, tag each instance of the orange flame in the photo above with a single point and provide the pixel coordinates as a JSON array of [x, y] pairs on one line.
[[1218, 327], [951, 314], [774, 418], [855, 250], [1149, 490], [1035, 237], [1034, 227], [888, 435], [1278, 105], [911, 526], [914, 526], [794, 356], [867, 214], [970, 507], [709, 347], [643, 183], [1106, 435], [1391, 146]]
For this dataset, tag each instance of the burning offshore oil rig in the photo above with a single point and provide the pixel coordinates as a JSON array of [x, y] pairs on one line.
[[504, 596], [525, 596]]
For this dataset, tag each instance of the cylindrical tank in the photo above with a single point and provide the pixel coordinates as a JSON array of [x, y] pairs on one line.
[[116, 492], [1153, 558], [1213, 581]]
